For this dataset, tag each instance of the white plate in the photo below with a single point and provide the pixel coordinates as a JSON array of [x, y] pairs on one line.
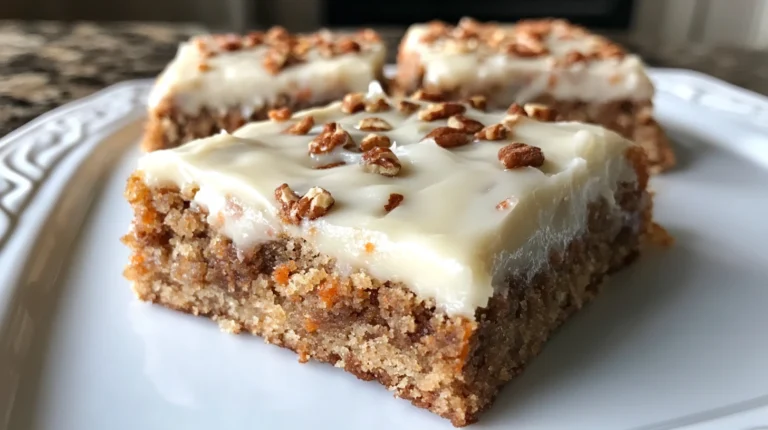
[[678, 341]]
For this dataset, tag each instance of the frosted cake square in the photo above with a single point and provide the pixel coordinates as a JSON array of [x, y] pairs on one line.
[[220, 82], [585, 77], [432, 247]]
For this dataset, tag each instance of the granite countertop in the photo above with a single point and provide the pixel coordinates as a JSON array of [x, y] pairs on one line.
[[46, 64]]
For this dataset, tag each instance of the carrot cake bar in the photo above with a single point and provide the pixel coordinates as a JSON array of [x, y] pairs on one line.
[[432, 247], [220, 82], [583, 76]]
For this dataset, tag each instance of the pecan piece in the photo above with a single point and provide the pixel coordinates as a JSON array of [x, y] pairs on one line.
[[407, 107], [374, 140], [516, 109], [448, 137], [286, 197], [274, 60], [441, 111], [279, 115], [519, 154], [394, 201], [540, 112], [429, 96], [346, 46], [353, 102], [478, 102], [314, 204], [331, 137], [373, 124], [301, 127], [378, 105], [382, 161], [492, 132], [462, 123]]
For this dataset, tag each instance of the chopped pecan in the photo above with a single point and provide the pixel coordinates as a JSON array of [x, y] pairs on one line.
[[228, 42], [373, 124], [394, 201], [441, 111], [504, 204], [374, 140], [347, 45], [407, 107], [519, 154], [573, 57], [382, 161], [377, 105], [314, 204], [279, 115], [253, 38], [353, 102], [276, 34], [462, 123], [540, 112], [331, 137], [301, 127], [427, 95], [516, 109], [275, 60], [478, 102], [492, 132], [286, 197], [448, 137], [527, 49]]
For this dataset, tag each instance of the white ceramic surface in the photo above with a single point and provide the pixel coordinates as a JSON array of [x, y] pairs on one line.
[[677, 341]]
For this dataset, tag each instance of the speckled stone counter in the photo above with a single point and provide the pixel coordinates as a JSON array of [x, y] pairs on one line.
[[46, 64]]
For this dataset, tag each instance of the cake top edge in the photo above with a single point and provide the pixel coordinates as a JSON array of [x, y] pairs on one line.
[[283, 48], [530, 38]]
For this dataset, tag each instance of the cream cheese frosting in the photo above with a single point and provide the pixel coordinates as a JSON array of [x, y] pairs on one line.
[[239, 79], [476, 68], [447, 240]]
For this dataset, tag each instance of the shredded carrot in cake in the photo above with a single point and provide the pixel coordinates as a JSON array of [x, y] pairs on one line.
[[328, 292], [310, 325], [369, 247], [282, 273]]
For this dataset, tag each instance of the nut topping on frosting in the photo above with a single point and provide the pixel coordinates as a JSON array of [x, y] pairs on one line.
[[382, 161], [394, 201], [540, 112], [377, 105], [374, 140], [284, 49], [314, 204], [478, 102], [353, 102], [428, 96], [302, 127], [448, 137], [407, 107], [373, 124], [331, 137], [516, 109], [441, 111], [492, 132], [519, 154], [282, 114], [464, 124]]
